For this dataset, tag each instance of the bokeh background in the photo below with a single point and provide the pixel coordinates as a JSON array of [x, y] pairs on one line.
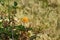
[[42, 14]]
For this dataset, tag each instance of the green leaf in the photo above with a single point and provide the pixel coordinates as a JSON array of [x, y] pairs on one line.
[[30, 28], [21, 27], [15, 3]]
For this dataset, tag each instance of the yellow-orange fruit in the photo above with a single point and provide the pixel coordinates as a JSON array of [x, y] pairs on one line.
[[25, 19]]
